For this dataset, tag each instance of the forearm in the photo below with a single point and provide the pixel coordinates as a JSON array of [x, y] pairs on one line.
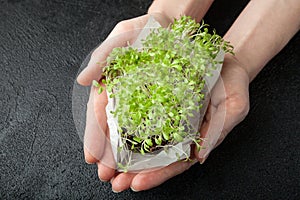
[[176, 8], [262, 30]]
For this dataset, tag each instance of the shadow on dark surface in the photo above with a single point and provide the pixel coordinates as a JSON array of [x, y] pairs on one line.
[[42, 44]]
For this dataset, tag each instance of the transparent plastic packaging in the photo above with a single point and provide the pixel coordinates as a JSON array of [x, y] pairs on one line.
[[127, 160]]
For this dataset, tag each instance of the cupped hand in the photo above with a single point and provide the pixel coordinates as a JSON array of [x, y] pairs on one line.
[[96, 137], [228, 106], [123, 33]]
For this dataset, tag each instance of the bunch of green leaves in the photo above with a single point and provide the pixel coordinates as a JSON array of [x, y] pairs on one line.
[[159, 87]]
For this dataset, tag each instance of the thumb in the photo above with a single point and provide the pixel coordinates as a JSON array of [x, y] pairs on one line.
[[220, 121], [124, 32]]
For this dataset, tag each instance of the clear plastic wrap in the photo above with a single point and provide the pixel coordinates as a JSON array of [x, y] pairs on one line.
[[129, 161]]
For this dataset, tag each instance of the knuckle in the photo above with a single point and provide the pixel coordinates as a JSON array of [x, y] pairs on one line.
[[238, 105], [89, 159], [123, 26]]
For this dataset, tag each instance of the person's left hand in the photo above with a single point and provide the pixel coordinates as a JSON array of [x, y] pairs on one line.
[[228, 106]]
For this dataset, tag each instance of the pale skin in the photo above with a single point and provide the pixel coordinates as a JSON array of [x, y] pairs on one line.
[[258, 34]]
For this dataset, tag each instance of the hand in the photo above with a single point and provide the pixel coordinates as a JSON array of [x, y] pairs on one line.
[[231, 106], [96, 143], [124, 32]]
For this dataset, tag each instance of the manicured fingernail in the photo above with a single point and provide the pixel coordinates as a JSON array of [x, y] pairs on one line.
[[134, 190]]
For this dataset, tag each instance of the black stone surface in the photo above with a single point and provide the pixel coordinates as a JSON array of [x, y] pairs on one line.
[[42, 44]]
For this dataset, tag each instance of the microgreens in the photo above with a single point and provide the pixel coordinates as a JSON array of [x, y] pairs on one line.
[[160, 86]]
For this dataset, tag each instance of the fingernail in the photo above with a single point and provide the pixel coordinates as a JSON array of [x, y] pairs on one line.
[[207, 153], [134, 190], [112, 179], [103, 180], [204, 154], [114, 191], [202, 161]]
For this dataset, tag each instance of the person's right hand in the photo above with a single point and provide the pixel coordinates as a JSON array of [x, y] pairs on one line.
[[97, 147], [124, 32], [96, 137]]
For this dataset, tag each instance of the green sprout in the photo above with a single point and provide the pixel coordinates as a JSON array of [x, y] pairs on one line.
[[160, 86]]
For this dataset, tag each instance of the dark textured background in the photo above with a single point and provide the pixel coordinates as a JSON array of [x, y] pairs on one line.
[[42, 44]]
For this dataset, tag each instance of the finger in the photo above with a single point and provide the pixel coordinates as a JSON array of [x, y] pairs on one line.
[[95, 130], [235, 96], [214, 120], [207, 118], [124, 32], [100, 102], [210, 130], [107, 165], [128, 25], [89, 158], [105, 173], [108, 159], [148, 180], [231, 112], [122, 181], [237, 107]]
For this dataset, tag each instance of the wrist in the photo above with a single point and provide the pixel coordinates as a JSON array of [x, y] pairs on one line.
[[234, 63], [259, 33], [176, 8]]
